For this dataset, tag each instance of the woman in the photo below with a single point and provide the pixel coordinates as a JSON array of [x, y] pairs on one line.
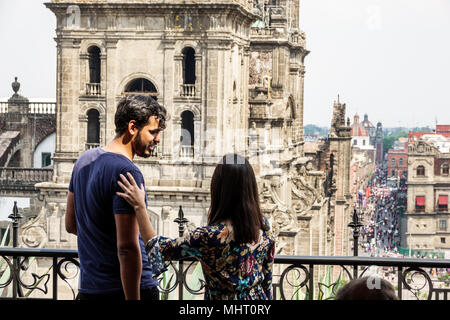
[[236, 248]]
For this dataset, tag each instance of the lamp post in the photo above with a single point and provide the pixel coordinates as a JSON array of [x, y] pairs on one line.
[[355, 225], [15, 217], [181, 220]]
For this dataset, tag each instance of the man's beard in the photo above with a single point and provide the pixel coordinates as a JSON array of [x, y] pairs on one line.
[[140, 148]]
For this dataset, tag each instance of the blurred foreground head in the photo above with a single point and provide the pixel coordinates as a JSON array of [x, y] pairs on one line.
[[367, 288]]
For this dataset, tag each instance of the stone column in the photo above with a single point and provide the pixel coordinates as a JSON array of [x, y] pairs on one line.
[[110, 87], [84, 72], [198, 74]]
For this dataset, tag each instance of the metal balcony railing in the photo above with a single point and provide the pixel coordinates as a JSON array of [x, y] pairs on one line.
[[294, 277]]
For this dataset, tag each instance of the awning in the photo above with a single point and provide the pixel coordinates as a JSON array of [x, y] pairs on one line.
[[443, 200], [420, 201]]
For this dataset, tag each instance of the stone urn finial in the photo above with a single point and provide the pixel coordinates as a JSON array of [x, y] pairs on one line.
[[15, 85]]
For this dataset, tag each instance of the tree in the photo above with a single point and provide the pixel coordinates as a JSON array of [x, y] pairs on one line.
[[389, 140]]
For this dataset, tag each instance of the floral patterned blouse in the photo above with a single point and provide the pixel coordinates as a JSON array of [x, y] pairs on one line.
[[232, 271]]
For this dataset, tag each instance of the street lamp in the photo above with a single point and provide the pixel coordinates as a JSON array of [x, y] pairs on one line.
[[355, 225]]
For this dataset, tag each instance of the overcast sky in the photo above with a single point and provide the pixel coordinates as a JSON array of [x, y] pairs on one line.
[[387, 58]]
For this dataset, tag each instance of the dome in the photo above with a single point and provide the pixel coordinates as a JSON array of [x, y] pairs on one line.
[[358, 129]]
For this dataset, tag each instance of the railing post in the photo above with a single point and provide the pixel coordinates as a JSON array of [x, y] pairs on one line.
[[15, 217], [181, 220], [355, 225]]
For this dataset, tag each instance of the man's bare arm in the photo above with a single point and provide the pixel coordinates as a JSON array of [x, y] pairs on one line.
[[129, 253], [71, 225]]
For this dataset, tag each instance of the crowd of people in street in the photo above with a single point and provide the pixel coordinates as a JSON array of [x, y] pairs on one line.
[[380, 207]]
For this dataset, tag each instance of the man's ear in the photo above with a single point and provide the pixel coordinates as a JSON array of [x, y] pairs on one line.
[[132, 129]]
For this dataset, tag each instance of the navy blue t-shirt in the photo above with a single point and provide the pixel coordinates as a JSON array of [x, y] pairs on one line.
[[94, 185]]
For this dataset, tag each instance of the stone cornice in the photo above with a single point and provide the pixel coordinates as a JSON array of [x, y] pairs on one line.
[[152, 8]]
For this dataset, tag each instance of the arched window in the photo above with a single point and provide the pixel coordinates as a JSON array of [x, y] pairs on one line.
[[420, 171], [393, 162], [188, 65], [94, 64], [141, 86], [445, 169], [187, 134], [93, 129]]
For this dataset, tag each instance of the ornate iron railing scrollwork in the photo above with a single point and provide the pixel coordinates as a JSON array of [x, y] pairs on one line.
[[350, 276], [64, 276], [175, 273], [8, 266], [185, 282], [408, 278], [364, 271], [297, 287], [36, 282]]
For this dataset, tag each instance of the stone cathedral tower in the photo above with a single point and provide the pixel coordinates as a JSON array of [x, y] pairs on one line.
[[231, 75]]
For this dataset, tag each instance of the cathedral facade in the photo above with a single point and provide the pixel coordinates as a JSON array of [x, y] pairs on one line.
[[231, 75]]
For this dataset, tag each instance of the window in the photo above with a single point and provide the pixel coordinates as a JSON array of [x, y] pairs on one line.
[[142, 86], [187, 134], [393, 162], [420, 171], [93, 128], [94, 64], [420, 203], [355, 142], [46, 159], [442, 225], [445, 169], [188, 66], [442, 240], [364, 142], [443, 202], [400, 162]]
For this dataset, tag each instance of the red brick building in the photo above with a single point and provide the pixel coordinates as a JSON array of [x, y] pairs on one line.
[[397, 159]]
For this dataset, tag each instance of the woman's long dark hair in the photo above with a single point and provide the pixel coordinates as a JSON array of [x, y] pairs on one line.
[[234, 196]]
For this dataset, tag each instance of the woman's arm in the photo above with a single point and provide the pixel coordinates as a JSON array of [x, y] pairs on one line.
[[267, 271], [135, 196]]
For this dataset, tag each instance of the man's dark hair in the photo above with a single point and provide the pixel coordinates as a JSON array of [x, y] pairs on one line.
[[358, 289], [138, 108], [234, 196]]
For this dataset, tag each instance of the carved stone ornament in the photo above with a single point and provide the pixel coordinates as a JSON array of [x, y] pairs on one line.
[[282, 218], [33, 233], [307, 189]]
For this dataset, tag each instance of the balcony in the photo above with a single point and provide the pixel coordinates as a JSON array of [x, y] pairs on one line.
[[93, 89], [294, 277], [186, 151], [187, 90], [92, 145], [297, 278]]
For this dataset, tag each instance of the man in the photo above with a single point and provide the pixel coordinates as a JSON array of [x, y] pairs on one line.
[[113, 263]]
